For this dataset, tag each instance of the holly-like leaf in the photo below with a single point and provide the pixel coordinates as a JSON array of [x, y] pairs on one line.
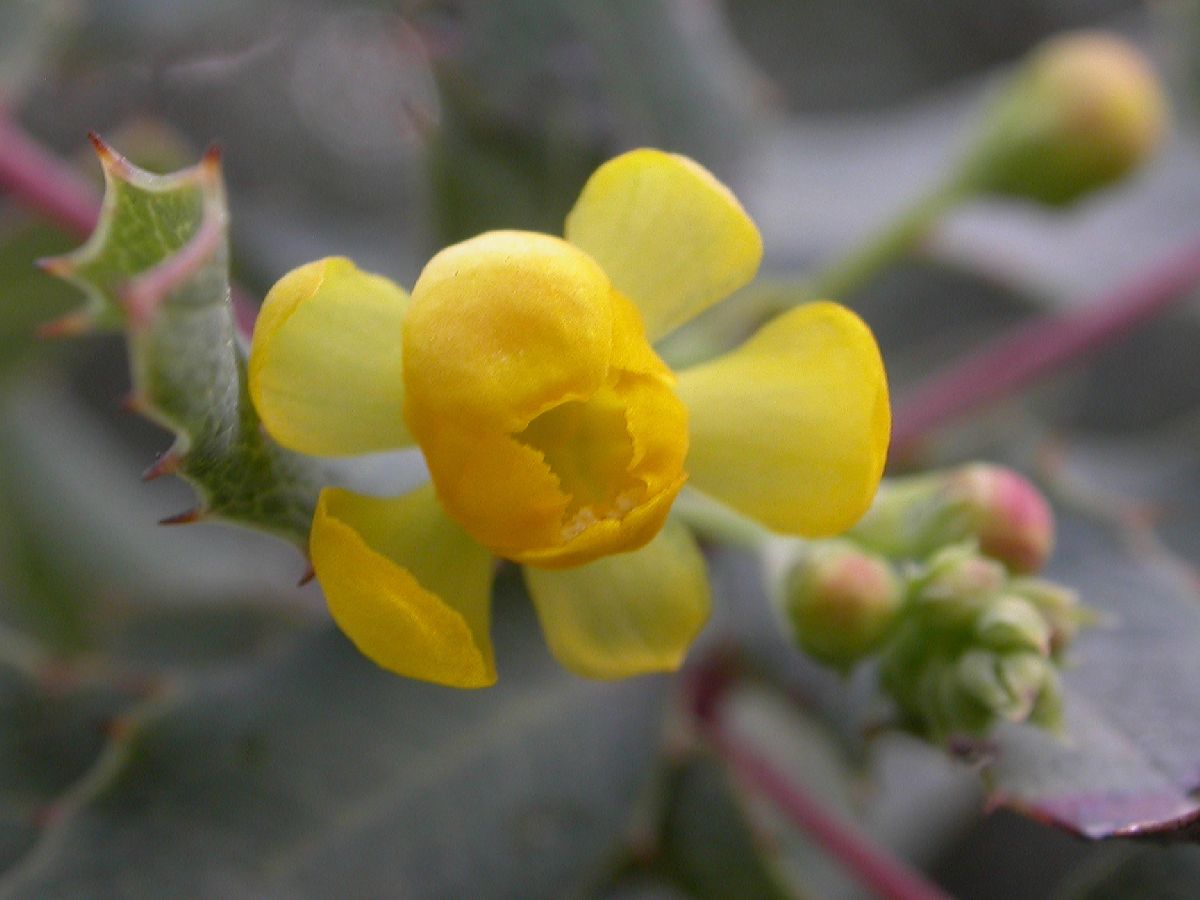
[[157, 266]]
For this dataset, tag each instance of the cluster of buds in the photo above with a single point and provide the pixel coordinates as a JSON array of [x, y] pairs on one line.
[[938, 584]]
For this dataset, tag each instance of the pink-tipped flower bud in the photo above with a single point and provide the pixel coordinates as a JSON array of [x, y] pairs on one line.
[[841, 602], [1085, 110], [1008, 516], [1000, 510]]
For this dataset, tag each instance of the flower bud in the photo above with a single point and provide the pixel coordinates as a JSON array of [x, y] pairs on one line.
[[943, 705], [958, 585], [1025, 675], [1083, 111], [978, 673], [1011, 623], [914, 517], [1047, 712], [1059, 607], [841, 602], [1008, 685], [1009, 516]]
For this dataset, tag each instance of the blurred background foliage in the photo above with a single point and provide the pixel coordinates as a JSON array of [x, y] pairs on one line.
[[177, 719]]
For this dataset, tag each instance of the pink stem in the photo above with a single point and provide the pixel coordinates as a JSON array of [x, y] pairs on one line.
[[41, 182], [873, 866], [1036, 348]]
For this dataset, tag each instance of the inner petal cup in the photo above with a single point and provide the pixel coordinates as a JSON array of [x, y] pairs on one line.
[[549, 441], [587, 445]]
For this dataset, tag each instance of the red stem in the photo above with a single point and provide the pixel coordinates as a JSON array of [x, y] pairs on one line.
[[1036, 348], [41, 182], [873, 866], [44, 184]]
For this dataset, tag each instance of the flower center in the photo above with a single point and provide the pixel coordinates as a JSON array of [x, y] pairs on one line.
[[587, 445]]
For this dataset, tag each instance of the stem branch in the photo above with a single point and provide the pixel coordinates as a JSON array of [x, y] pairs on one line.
[[873, 866], [898, 238], [1036, 348], [44, 184], [717, 522]]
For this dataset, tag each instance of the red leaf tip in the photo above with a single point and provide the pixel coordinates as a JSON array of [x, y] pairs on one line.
[[61, 266], [133, 403], [110, 159], [167, 464], [309, 574], [187, 517], [71, 325]]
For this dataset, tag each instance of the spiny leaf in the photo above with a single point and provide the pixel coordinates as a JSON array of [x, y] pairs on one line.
[[157, 266]]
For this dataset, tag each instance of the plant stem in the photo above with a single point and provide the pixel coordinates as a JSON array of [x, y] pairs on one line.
[[898, 238], [728, 324], [1036, 348], [717, 522], [873, 866], [44, 184]]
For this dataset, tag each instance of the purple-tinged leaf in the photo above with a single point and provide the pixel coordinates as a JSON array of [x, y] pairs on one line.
[[1129, 761]]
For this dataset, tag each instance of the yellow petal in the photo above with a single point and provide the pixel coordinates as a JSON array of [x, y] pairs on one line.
[[670, 236], [631, 351], [497, 488], [627, 614], [502, 327], [406, 585], [325, 368], [792, 428], [606, 536]]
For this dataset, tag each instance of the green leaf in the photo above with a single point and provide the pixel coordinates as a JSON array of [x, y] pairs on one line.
[[157, 266], [520, 131], [710, 844], [80, 550], [314, 773], [1151, 873], [27, 296]]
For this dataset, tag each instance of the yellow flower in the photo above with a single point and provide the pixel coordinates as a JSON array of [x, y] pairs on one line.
[[554, 435]]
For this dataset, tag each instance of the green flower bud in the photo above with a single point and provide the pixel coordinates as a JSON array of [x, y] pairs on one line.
[[1059, 607], [1048, 710], [1024, 674], [840, 602], [1008, 685], [1011, 623], [978, 673], [957, 586], [945, 705], [1084, 111]]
